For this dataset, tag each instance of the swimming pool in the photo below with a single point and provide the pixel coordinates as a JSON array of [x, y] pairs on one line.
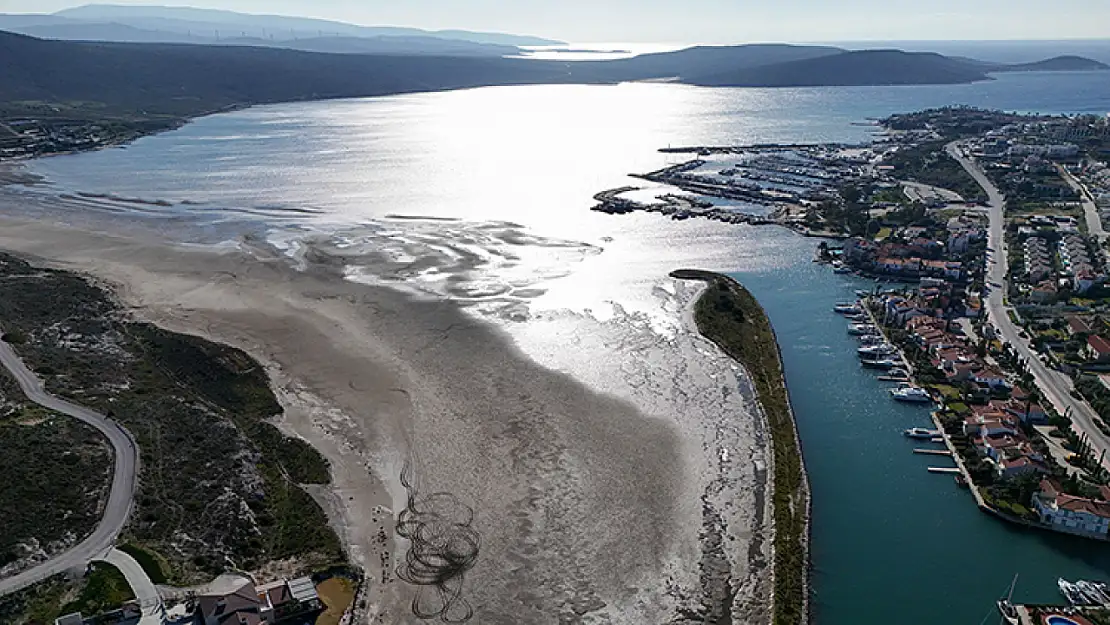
[[1056, 619]]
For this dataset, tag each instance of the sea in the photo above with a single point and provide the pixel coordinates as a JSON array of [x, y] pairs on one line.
[[450, 173]]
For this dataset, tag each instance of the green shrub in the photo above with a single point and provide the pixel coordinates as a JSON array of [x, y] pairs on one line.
[[154, 565]]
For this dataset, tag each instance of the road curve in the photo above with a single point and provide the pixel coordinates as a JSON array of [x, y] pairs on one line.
[[1055, 385], [120, 499], [150, 602]]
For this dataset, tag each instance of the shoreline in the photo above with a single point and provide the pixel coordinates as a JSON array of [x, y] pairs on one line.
[[934, 415], [784, 572], [375, 379]]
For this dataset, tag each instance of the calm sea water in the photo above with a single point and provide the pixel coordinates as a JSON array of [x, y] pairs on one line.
[[891, 543]]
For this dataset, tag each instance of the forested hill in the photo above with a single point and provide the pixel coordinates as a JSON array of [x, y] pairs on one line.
[[186, 80]]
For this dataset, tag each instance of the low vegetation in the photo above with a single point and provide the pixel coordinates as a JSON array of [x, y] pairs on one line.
[[105, 589], [929, 163], [56, 472], [220, 483], [153, 564], [38, 604], [730, 316]]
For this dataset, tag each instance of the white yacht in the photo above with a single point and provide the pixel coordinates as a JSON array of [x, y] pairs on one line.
[[912, 394], [920, 433], [861, 329], [847, 309], [871, 351]]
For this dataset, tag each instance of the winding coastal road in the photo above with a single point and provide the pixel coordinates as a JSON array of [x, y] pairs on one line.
[[126, 452], [150, 602], [1055, 385]]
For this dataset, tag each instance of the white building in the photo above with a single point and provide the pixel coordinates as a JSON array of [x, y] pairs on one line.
[[1073, 515]]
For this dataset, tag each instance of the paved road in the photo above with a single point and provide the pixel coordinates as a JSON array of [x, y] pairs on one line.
[[126, 454], [1090, 209], [153, 612], [1055, 386]]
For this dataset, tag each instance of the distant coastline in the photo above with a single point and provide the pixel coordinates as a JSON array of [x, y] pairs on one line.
[[64, 96]]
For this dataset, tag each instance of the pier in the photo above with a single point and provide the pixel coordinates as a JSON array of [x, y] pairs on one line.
[[954, 470], [934, 452], [676, 207]]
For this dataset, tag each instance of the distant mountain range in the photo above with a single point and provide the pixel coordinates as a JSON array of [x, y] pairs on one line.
[[156, 24], [188, 80]]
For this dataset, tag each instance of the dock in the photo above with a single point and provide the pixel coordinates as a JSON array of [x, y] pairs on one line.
[[934, 452], [955, 470]]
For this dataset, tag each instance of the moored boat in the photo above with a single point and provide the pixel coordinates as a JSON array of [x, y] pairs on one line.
[[920, 433], [885, 364], [911, 394], [1006, 606], [847, 309], [861, 329], [1070, 592], [874, 351]]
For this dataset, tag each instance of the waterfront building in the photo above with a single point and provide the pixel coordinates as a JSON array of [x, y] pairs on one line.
[[1071, 514]]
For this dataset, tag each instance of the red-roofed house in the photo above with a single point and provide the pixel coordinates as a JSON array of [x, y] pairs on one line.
[[992, 377], [1028, 412], [1021, 465], [998, 445], [1074, 515], [1098, 348], [270, 604], [982, 426], [1080, 325]]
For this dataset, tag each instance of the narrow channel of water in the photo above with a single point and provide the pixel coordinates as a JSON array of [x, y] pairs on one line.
[[891, 542]]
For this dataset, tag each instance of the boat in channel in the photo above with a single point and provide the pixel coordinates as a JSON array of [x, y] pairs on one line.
[[911, 394]]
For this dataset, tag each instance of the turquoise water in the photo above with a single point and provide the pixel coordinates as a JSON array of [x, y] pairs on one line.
[[891, 542]]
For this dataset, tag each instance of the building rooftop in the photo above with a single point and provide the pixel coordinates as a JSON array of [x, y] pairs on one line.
[[1100, 345]]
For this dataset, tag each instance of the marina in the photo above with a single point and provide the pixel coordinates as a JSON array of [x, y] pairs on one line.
[[836, 417]]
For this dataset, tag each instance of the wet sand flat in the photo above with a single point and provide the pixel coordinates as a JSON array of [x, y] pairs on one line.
[[525, 495]]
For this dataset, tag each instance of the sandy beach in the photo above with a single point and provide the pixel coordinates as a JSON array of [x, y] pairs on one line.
[[635, 498]]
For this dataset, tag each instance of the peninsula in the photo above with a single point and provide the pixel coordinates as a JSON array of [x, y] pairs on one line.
[[729, 316]]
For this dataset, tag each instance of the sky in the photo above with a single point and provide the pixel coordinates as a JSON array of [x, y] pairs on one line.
[[693, 21]]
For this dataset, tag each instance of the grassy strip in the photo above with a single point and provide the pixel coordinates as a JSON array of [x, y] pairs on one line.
[[153, 564], [730, 316], [37, 604], [105, 589]]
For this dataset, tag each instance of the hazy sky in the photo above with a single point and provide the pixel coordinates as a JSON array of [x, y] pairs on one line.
[[690, 21]]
